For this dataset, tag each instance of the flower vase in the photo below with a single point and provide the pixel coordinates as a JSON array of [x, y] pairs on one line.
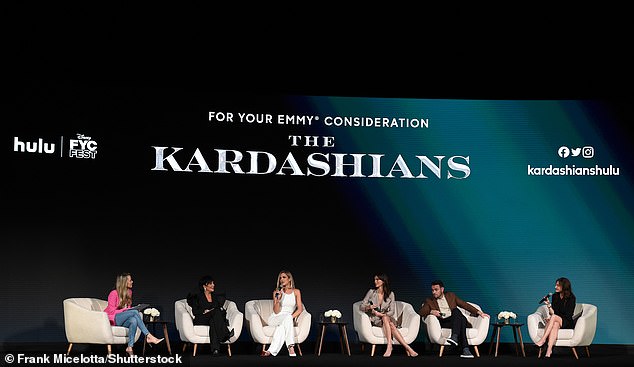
[[333, 319], [151, 318], [507, 321]]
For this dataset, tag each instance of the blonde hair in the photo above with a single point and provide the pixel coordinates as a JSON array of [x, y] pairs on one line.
[[290, 278], [121, 285]]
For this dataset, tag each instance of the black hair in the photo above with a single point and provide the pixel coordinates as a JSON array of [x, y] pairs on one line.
[[206, 279]]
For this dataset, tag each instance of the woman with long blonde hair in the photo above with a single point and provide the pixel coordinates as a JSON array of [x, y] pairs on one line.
[[121, 313], [287, 305]]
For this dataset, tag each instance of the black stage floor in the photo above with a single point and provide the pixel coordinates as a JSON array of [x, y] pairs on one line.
[[245, 354]]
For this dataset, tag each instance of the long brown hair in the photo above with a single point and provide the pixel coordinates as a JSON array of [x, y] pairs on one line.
[[566, 287]]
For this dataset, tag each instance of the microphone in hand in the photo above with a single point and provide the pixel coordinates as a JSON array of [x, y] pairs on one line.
[[278, 292], [545, 298]]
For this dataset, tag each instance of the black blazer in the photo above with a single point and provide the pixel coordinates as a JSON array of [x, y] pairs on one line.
[[565, 308], [198, 302]]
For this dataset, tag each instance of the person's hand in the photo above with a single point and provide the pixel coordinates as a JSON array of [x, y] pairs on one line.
[[435, 313], [277, 294]]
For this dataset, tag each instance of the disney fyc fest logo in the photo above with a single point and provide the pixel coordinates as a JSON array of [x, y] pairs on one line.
[[81, 147]]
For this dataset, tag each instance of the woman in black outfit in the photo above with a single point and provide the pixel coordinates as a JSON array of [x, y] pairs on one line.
[[207, 308], [560, 311]]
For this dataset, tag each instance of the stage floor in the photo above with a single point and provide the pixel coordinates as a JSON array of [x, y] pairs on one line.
[[246, 354]]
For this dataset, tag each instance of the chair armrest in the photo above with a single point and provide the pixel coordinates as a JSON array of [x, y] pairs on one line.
[[362, 324], [303, 325], [533, 322], [585, 328], [481, 324], [411, 318], [235, 318], [254, 322], [86, 326], [433, 329]]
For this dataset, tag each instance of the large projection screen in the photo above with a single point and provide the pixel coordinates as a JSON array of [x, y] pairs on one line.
[[496, 197]]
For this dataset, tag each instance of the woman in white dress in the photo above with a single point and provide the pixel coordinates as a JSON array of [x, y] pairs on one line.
[[287, 305]]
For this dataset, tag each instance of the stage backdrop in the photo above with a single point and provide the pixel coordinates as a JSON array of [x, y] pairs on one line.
[[498, 198]]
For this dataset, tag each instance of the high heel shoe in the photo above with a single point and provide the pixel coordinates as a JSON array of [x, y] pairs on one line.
[[265, 353], [229, 336], [412, 354], [130, 352], [388, 353], [154, 341]]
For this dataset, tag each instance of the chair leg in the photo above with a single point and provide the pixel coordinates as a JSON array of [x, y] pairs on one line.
[[372, 351], [229, 349], [539, 354], [70, 346], [475, 348], [574, 351], [442, 349], [184, 347], [588, 351], [195, 348], [109, 348]]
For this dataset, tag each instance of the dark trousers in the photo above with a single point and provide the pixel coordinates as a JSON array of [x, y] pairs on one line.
[[218, 331], [457, 322]]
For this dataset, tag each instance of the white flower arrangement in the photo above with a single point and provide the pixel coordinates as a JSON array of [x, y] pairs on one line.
[[152, 312], [333, 313], [506, 315]]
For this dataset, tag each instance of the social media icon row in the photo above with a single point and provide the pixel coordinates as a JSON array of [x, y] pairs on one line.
[[585, 152]]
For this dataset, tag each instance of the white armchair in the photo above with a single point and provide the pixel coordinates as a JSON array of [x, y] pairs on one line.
[[257, 312], [86, 322], [199, 334], [408, 327], [476, 334], [581, 336]]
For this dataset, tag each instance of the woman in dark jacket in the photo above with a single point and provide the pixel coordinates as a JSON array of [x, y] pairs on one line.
[[560, 314], [207, 308]]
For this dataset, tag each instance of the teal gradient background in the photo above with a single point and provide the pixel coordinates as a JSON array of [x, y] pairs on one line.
[[500, 238]]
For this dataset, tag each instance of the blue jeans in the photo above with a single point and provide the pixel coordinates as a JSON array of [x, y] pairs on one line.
[[131, 319]]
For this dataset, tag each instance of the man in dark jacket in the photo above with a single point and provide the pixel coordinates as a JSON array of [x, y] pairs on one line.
[[444, 306]]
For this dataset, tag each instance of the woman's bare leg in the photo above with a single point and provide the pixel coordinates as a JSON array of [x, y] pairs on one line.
[[399, 337], [387, 330], [544, 337], [552, 337]]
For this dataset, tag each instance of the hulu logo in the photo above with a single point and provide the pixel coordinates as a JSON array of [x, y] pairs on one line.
[[38, 146]]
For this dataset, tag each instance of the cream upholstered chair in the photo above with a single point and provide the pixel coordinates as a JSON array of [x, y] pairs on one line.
[[408, 323], [257, 312], [199, 334], [476, 334], [581, 336], [86, 322]]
